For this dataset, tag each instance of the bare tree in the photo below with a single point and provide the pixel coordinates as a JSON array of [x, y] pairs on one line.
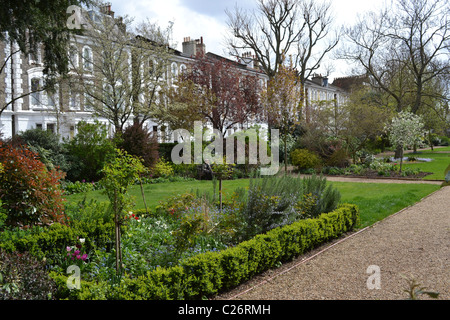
[[402, 50], [121, 70], [423, 28], [152, 75], [280, 100], [270, 31], [317, 41], [299, 29]]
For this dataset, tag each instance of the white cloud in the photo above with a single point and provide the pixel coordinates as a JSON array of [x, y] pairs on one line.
[[187, 22], [207, 19]]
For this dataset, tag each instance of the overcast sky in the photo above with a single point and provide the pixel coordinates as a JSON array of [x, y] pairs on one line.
[[207, 18]]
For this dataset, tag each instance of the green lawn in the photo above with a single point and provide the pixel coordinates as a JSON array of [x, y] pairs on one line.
[[437, 166], [441, 149], [376, 200]]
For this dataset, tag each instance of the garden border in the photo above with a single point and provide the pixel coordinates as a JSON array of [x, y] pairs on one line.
[[210, 273], [326, 248]]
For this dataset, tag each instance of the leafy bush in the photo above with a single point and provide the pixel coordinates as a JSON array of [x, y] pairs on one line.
[[30, 193], [269, 203], [276, 201], [89, 151], [49, 147], [77, 187], [165, 149], [185, 170], [383, 168], [304, 159], [441, 140], [408, 171], [140, 142], [307, 206], [327, 196], [89, 211], [51, 242], [162, 168], [193, 222], [332, 171], [339, 158], [174, 206], [23, 277]]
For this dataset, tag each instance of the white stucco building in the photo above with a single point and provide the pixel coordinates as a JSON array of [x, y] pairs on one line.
[[60, 112]]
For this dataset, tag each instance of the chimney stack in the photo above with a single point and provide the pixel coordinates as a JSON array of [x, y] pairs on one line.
[[106, 9], [193, 47]]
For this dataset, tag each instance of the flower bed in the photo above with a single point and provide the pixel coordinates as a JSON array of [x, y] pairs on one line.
[[209, 273], [185, 235], [375, 168]]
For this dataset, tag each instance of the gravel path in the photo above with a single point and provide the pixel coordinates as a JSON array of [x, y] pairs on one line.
[[414, 242]]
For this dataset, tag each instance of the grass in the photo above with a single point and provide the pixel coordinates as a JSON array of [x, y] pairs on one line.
[[375, 200], [154, 193], [437, 149], [437, 166]]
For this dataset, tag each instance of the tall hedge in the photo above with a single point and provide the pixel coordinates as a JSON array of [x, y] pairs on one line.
[[210, 273]]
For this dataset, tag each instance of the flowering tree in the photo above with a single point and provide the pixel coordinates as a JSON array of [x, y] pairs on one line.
[[227, 96], [407, 129]]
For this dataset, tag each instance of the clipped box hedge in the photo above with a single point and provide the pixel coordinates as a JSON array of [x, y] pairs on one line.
[[212, 272]]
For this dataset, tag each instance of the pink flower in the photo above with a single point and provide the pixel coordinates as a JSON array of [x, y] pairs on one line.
[[68, 249], [84, 257]]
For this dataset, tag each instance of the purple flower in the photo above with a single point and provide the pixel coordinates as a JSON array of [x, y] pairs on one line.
[[84, 257]]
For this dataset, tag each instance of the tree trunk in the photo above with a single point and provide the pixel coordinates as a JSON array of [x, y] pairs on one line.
[[143, 196], [401, 160], [285, 154], [430, 141], [220, 195], [117, 236], [398, 153]]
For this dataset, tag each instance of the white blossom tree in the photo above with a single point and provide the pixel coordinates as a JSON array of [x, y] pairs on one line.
[[407, 129]]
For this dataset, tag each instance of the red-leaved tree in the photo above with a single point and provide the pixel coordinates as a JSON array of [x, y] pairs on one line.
[[230, 94], [29, 193]]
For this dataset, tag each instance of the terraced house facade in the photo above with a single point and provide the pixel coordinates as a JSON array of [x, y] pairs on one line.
[[59, 111]]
